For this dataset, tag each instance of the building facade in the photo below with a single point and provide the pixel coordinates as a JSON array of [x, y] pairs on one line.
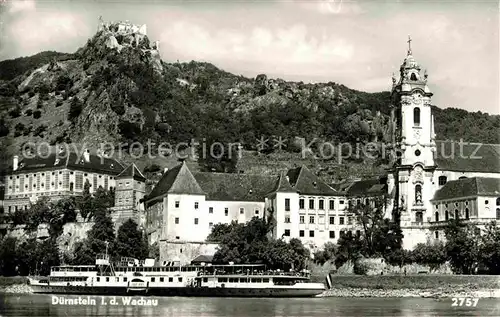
[[425, 165]]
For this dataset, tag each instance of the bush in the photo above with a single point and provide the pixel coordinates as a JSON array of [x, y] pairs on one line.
[[37, 114], [28, 112], [19, 129], [40, 130], [360, 268], [4, 129], [75, 109], [59, 103]]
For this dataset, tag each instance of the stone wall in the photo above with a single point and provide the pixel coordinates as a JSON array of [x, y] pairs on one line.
[[184, 252]]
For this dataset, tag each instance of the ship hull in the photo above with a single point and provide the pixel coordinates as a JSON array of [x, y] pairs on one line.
[[180, 291]]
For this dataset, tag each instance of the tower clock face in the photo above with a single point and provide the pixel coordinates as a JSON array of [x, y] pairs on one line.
[[417, 98]]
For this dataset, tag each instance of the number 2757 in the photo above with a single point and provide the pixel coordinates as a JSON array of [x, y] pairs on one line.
[[464, 301]]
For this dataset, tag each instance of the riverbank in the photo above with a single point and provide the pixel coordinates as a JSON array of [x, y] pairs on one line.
[[431, 286]]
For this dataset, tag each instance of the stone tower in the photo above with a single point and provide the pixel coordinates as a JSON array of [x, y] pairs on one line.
[[129, 193], [415, 147]]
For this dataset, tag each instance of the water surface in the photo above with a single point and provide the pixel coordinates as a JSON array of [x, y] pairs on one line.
[[42, 305]]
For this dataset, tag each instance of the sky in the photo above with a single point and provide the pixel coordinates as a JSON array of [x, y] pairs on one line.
[[355, 43]]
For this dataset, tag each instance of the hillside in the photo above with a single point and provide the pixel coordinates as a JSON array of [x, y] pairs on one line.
[[116, 89]]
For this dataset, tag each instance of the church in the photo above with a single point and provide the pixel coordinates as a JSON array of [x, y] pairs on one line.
[[433, 180]]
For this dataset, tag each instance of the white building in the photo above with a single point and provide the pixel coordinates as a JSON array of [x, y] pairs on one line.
[[184, 206]]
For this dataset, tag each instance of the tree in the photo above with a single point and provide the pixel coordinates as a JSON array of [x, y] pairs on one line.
[[250, 243], [8, 256], [325, 255], [130, 241], [490, 250], [432, 254], [349, 249], [462, 246], [86, 201]]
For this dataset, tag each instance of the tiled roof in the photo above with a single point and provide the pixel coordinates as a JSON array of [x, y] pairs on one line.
[[365, 187], [235, 187], [132, 171], [472, 158], [73, 161], [283, 185], [178, 180], [466, 187], [306, 183]]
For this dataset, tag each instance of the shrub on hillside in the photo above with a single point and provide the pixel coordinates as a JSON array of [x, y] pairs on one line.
[[37, 114]]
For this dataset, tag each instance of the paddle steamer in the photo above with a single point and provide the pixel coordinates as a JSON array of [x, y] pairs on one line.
[[131, 277]]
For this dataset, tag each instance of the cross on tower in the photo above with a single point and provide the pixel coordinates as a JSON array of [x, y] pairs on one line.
[[409, 44]]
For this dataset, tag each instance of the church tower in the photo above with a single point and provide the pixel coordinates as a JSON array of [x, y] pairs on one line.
[[415, 147]]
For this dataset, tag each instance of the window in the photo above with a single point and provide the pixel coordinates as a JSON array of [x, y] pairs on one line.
[[332, 234], [436, 216], [256, 211], [177, 204], [226, 211], [457, 215], [349, 220], [162, 279], [210, 210], [242, 211], [486, 202], [210, 225], [442, 180], [311, 203], [332, 220], [446, 215], [419, 217], [341, 202], [311, 233], [413, 77], [176, 220], [195, 221], [287, 233], [153, 279], [498, 201], [498, 213], [71, 186], [462, 177], [98, 279], [416, 117], [321, 204], [341, 220], [301, 203], [124, 279], [321, 220], [287, 204], [180, 279], [301, 219], [332, 204], [195, 205], [311, 219], [170, 279], [467, 213], [287, 219], [436, 234], [107, 279], [301, 233]]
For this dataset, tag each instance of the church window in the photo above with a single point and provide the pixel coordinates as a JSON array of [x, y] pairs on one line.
[[446, 215], [419, 217], [417, 153], [436, 216], [418, 194], [467, 213], [486, 202], [436, 234], [457, 215], [413, 76], [442, 180], [416, 117]]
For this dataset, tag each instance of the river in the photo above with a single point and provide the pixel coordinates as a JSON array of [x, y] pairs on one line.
[[44, 305]]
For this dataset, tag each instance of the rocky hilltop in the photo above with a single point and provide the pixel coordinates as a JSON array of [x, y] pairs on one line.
[[115, 88]]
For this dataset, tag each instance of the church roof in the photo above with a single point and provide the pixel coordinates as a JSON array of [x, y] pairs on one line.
[[132, 171], [473, 157], [306, 183], [70, 160], [467, 187]]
